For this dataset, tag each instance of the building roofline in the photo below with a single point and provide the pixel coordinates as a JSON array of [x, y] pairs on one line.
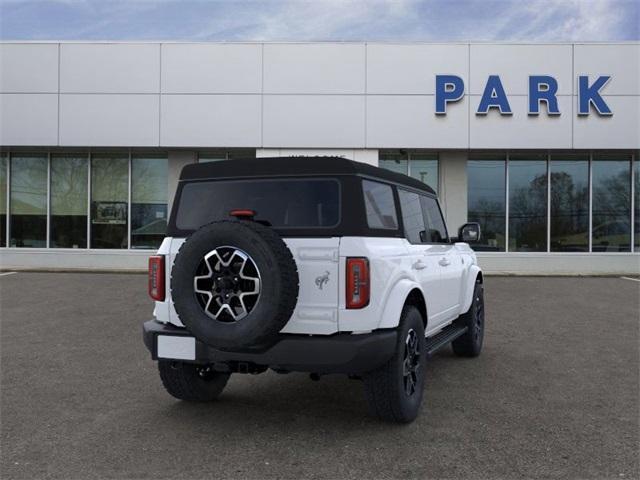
[[313, 42]]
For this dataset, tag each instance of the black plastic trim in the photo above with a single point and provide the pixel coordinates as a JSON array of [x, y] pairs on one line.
[[339, 353]]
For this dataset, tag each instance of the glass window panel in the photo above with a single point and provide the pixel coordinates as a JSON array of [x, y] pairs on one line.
[[611, 230], [436, 228], [69, 185], [636, 201], [281, 203], [222, 154], [412, 218], [109, 193], [528, 203], [395, 161], [424, 167], [241, 153], [380, 205], [28, 201], [486, 202], [3, 199], [212, 156], [569, 203], [148, 201]]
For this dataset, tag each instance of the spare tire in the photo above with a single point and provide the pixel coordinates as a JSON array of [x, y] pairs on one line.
[[234, 284]]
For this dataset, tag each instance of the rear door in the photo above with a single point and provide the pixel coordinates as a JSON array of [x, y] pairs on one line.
[[443, 251], [424, 261]]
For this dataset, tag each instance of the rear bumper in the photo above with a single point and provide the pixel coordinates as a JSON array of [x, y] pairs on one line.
[[339, 353]]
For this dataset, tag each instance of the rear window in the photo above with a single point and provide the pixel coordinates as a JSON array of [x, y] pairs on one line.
[[282, 203]]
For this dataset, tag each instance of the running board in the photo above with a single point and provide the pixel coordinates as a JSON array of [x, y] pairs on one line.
[[444, 337]]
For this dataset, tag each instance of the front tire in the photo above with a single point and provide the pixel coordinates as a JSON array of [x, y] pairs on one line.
[[394, 391], [190, 382], [470, 344]]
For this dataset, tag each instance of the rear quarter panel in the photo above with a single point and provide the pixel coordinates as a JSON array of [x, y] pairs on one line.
[[390, 266]]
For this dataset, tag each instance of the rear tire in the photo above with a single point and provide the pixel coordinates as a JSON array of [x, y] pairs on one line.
[[394, 391], [190, 382], [470, 344]]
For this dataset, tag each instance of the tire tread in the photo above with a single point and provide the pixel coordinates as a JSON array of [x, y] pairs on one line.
[[181, 381]]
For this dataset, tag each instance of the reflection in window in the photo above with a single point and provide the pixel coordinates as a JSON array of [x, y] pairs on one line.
[[69, 201], [109, 193], [380, 206], [611, 231], [280, 203], [636, 201], [222, 154], [419, 165], [486, 201], [148, 201], [436, 228], [569, 203], [28, 201], [412, 218], [424, 167], [528, 203], [3, 199], [395, 161]]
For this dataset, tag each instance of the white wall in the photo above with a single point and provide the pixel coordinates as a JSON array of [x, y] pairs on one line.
[[305, 95]]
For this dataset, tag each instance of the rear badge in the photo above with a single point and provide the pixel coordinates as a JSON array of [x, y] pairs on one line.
[[322, 280]]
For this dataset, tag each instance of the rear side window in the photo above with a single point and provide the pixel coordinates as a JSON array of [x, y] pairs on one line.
[[412, 217], [282, 203], [436, 229], [380, 206]]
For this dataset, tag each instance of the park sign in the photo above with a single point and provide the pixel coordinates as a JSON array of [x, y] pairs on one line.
[[542, 90]]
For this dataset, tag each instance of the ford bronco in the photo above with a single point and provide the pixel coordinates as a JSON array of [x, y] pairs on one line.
[[320, 265]]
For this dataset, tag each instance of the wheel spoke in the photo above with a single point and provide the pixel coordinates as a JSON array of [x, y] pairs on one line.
[[227, 277]]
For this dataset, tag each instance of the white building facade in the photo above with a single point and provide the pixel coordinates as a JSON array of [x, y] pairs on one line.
[[537, 142]]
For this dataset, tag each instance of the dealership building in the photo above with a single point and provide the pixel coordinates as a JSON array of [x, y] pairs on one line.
[[537, 142]]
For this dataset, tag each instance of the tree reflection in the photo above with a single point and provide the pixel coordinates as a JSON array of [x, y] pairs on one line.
[[528, 215], [611, 206]]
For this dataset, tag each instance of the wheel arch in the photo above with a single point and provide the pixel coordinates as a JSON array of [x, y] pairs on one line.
[[474, 275], [404, 292], [416, 298]]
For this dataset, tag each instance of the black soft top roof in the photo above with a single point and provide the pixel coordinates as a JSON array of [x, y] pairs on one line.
[[294, 166]]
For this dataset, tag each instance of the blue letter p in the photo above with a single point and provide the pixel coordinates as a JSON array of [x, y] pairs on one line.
[[449, 88]]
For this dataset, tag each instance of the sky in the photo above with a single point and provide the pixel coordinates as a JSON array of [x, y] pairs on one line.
[[321, 20]]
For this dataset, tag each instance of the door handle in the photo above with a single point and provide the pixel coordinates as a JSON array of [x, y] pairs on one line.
[[444, 262], [419, 265]]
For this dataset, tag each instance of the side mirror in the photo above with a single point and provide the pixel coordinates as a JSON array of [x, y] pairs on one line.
[[469, 233]]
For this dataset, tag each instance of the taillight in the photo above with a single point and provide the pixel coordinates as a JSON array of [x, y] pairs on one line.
[[358, 286], [156, 277]]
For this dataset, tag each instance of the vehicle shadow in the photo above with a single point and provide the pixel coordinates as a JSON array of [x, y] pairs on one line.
[[333, 402]]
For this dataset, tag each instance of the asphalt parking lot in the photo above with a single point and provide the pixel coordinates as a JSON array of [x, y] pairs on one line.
[[555, 394]]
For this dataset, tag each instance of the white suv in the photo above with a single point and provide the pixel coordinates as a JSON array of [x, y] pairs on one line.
[[320, 265]]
